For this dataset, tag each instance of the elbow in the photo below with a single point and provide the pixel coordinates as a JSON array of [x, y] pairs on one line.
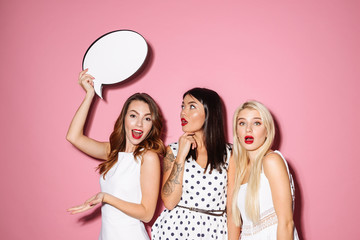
[[290, 225], [169, 206], [168, 203], [148, 215], [69, 138], [287, 225], [146, 219]]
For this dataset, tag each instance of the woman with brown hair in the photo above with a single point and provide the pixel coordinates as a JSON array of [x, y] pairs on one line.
[[130, 173]]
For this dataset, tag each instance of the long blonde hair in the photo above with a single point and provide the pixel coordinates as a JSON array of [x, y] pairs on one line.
[[242, 163]]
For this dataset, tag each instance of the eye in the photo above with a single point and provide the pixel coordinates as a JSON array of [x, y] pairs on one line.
[[241, 123], [132, 115], [257, 123], [182, 106], [148, 119], [192, 106]]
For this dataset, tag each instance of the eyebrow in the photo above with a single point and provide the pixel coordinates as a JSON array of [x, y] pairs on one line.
[[257, 118], [138, 113], [189, 102]]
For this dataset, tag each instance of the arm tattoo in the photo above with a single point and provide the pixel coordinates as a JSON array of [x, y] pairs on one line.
[[173, 179], [168, 161]]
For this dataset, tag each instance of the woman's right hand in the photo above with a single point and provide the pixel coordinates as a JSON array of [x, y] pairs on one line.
[[86, 81], [186, 142]]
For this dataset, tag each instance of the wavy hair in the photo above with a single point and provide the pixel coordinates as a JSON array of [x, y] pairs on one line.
[[241, 159], [118, 136], [214, 134]]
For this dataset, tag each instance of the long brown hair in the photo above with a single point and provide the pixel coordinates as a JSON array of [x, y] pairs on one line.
[[118, 138]]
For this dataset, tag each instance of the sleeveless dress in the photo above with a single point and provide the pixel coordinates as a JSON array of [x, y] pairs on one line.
[[266, 228], [122, 181], [200, 190]]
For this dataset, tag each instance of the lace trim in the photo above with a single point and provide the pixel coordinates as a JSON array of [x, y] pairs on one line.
[[267, 219]]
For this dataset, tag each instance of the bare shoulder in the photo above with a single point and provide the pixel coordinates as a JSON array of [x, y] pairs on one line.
[[273, 164], [150, 156]]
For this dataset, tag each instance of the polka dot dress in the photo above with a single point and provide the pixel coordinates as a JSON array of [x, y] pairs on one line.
[[200, 190]]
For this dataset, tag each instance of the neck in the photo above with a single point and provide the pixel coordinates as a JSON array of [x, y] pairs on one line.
[[199, 137], [129, 147]]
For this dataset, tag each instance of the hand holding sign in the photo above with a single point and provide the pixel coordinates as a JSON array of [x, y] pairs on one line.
[[114, 57]]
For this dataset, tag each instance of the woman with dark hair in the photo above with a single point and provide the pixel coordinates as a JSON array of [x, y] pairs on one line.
[[197, 174], [130, 173]]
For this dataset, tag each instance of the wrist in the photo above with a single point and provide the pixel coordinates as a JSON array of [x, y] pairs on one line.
[[90, 94], [104, 198]]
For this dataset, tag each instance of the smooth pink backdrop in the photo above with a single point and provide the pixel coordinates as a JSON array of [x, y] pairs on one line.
[[300, 58]]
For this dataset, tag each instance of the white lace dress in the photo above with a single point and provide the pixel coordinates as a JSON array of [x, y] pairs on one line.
[[266, 228], [122, 181], [200, 190]]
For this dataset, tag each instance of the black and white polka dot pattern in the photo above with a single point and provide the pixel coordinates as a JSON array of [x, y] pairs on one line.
[[200, 190]]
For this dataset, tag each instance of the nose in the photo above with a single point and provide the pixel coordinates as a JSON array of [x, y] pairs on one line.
[[183, 113], [139, 122], [248, 128]]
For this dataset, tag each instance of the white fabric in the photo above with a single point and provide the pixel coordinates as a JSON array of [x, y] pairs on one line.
[[123, 182], [200, 190], [266, 228]]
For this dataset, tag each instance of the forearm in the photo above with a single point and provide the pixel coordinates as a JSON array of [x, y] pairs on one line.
[[138, 211], [285, 230], [233, 230], [77, 124], [172, 189]]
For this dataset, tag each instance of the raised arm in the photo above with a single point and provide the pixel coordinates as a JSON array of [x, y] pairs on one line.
[[276, 172], [173, 171], [75, 134], [150, 182], [233, 230]]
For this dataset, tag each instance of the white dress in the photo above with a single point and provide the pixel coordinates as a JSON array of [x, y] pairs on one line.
[[200, 190], [122, 181], [266, 228]]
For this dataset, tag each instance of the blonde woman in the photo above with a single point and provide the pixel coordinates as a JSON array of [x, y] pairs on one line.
[[263, 191]]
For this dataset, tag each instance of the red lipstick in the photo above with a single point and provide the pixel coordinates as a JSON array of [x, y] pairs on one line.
[[183, 122], [249, 139], [136, 133]]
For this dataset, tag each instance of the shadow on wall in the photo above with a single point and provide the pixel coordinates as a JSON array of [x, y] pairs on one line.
[[298, 205], [298, 192], [90, 217]]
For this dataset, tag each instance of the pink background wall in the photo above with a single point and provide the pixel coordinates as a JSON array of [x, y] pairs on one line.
[[300, 58]]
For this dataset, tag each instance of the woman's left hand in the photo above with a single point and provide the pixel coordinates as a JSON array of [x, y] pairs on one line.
[[88, 204]]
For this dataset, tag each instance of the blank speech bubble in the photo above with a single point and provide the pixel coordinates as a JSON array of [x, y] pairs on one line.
[[114, 57]]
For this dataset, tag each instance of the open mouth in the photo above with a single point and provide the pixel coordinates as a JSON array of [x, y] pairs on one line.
[[183, 122], [249, 139], [137, 133]]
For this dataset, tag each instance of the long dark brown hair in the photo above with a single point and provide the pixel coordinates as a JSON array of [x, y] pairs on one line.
[[118, 136], [214, 131]]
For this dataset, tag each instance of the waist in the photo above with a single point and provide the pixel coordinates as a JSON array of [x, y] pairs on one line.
[[208, 212]]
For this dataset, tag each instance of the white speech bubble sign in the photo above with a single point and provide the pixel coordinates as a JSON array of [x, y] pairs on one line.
[[114, 57]]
